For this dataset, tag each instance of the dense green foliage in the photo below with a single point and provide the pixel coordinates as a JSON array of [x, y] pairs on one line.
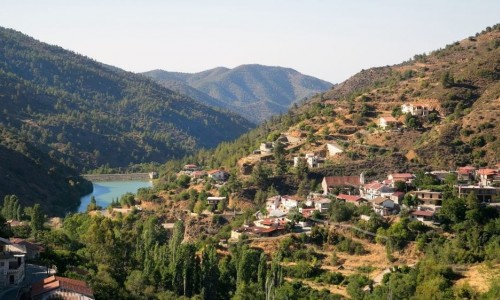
[[35, 177], [135, 258], [87, 114]]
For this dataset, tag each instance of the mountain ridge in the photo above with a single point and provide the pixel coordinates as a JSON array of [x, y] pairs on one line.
[[255, 91], [68, 93]]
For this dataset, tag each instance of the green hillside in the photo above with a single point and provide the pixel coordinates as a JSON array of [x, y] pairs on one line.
[[35, 177], [254, 91], [86, 114]]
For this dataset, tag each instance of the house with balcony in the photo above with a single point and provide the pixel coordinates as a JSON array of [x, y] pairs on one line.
[[415, 109], [465, 174], [383, 206], [486, 194], [428, 197], [488, 177], [12, 263]]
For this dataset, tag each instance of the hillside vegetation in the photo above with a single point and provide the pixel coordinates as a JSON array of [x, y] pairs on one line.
[[459, 84], [86, 114], [37, 178], [254, 91]]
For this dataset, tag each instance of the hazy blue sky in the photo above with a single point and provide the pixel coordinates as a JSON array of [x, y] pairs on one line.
[[331, 40]]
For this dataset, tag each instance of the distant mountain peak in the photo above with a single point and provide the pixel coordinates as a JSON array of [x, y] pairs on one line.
[[254, 91]]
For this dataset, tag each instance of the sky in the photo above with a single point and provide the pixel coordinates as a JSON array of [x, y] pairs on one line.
[[328, 39]]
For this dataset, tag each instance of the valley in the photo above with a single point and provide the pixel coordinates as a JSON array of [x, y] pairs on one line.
[[385, 186]]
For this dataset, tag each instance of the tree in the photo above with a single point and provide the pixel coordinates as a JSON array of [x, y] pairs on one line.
[[279, 156], [411, 200], [302, 169], [37, 218], [92, 205], [447, 80], [260, 176]]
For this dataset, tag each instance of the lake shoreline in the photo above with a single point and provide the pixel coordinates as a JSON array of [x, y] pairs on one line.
[[107, 191]]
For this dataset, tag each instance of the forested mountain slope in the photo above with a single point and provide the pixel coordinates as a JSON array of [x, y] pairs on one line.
[[86, 114], [35, 177], [256, 92]]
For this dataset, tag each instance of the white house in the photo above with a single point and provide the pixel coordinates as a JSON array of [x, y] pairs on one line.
[[219, 175], [334, 148], [215, 200], [273, 202], [322, 205], [375, 189], [415, 109], [311, 159], [387, 122], [12, 264], [266, 147], [288, 203], [383, 206]]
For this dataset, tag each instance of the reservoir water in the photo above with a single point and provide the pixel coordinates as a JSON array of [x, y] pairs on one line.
[[105, 191]]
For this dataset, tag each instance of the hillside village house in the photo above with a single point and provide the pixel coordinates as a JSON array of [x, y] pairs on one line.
[[311, 159], [354, 199], [428, 197], [397, 197], [55, 287], [375, 189], [403, 177], [32, 250], [334, 148], [266, 147], [488, 177], [424, 216], [387, 122], [219, 175], [415, 109], [190, 168], [322, 205], [465, 174], [198, 174], [383, 206], [12, 264], [330, 182], [485, 194], [215, 200]]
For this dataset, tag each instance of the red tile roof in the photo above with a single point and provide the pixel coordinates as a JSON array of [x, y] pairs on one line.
[[422, 213], [487, 172], [56, 282], [342, 180], [374, 185], [27, 244], [350, 198], [402, 175], [465, 170]]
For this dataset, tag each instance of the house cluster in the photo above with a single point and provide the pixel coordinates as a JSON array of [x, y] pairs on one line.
[[274, 220], [385, 200], [195, 172]]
